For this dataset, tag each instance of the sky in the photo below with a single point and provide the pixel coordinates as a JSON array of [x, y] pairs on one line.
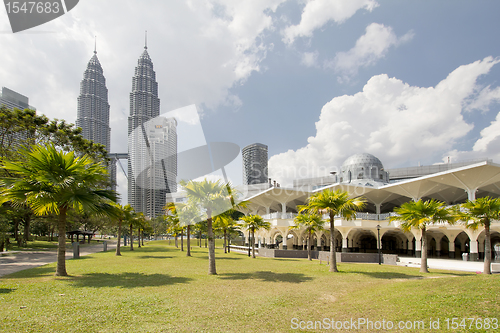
[[411, 82]]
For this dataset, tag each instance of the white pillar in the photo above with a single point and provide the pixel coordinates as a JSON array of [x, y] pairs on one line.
[[377, 207], [471, 193], [283, 210], [418, 244], [473, 246]]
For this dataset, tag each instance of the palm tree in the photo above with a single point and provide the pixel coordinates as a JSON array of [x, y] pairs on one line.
[[137, 220], [252, 223], [123, 214], [334, 203], [212, 196], [481, 212], [419, 214], [52, 181], [311, 223]]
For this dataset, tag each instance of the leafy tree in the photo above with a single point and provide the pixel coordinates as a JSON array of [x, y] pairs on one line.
[[419, 214], [211, 196], [51, 181], [481, 212], [123, 214], [25, 128], [252, 223], [311, 223], [334, 203]]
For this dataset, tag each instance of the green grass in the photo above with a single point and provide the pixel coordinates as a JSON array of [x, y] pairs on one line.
[[158, 289]]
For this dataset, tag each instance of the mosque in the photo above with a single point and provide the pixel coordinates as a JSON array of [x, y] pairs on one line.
[[363, 175]]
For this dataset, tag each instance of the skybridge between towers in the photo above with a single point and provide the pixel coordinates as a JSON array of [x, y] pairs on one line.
[[116, 157]]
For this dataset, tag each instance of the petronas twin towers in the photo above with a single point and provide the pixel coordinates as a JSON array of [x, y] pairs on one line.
[[157, 138]]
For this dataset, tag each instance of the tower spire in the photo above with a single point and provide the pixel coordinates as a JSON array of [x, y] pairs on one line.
[[146, 41], [95, 44]]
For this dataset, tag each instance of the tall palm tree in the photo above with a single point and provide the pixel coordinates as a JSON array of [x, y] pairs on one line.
[[334, 203], [311, 223], [52, 181], [212, 196], [252, 223], [419, 214], [123, 214], [137, 220], [481, 212]]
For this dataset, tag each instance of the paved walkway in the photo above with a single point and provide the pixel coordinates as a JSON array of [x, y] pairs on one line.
[[446, 264], [17, 261]]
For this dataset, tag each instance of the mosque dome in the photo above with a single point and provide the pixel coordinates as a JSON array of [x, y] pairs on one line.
[[363, 166]]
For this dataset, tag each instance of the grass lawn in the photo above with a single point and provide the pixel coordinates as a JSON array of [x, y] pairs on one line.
[[157, 289]]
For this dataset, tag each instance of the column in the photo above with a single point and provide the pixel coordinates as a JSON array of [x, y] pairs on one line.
[[283, 210], [438, 246], [318, 244], [473, 255], [451, 248], [285, 239], [409, 245], [481, 249], [345, 241], [418, 247]]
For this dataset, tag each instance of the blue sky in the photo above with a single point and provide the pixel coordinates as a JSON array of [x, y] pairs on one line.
[[317, 81]]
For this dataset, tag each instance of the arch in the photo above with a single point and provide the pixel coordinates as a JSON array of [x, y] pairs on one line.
[[462, 244], [494, 239], [394, 242]]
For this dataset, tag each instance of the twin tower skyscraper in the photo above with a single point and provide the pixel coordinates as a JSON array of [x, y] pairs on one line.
[[151, 139]]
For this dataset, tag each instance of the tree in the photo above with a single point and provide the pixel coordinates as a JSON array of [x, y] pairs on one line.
[[252, 223], [25, 128], [123, 214], [311, 223], [481, 212], [419, 214], [211, 196], [136, 221], [334, 203], [53, 181]]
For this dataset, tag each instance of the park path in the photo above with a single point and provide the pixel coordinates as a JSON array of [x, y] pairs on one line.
[[18, 261]]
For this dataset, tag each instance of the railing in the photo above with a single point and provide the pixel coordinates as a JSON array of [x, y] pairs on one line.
[[277, 215]]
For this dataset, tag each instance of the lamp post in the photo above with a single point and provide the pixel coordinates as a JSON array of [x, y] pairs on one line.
[[378, 244]]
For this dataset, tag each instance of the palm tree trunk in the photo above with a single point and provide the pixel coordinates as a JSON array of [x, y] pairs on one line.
[[131, 239], [139, 237], [253, 243], [333, 255], [176, 242], [61, 248], [199, 237], [225, 245], [423, 261], [188, 254], [118, 253], [487, 248], [27, 220], [182, 240], [309, 246], [211, 245], [229, 243]]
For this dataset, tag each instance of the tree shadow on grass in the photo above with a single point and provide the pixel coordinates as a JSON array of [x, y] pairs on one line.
[[154, 257], [126, 280], [6, 290], [267, 276]]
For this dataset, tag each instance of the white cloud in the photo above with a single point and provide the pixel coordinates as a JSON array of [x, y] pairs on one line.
[[317, 13], [310, 59], [392, 120], [369, 48]]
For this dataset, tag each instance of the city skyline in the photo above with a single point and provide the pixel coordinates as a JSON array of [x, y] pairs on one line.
[[316, 82]]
